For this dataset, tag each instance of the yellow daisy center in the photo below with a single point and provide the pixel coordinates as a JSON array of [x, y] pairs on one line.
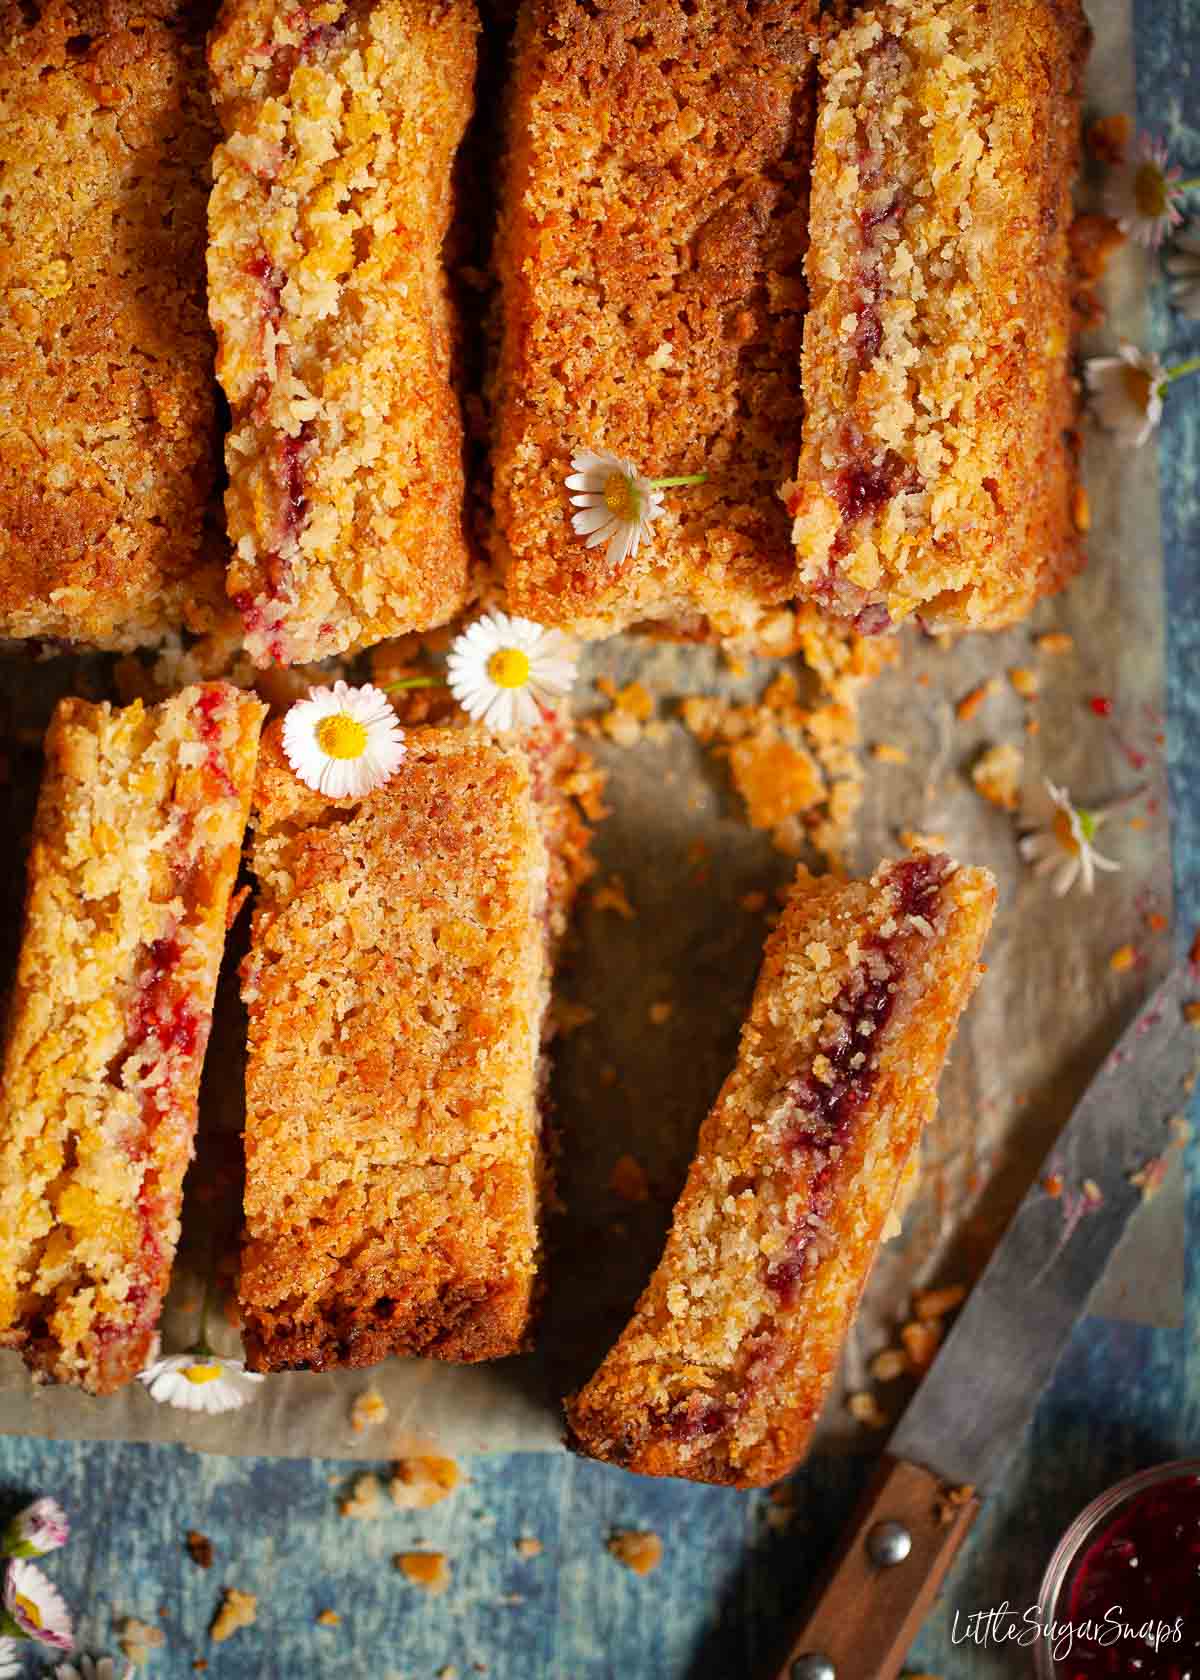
[[1138, 387], [339, 736], [509, 668], [28, 1609], [620, 497], [201, 1373], [1063, 831], [1150, 190]]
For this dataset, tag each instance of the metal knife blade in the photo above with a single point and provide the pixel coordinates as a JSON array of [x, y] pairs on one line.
[[984, 1385]]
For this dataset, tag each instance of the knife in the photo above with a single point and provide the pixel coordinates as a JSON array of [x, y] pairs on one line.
[[955, 1437]]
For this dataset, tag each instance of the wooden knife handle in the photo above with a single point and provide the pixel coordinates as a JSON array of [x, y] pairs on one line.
[[864, 1615]]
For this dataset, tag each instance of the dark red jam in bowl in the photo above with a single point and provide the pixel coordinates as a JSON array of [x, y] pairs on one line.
[[1133, 1595]]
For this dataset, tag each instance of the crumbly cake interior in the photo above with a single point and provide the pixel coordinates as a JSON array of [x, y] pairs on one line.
[[329, 296], [107, 429], [397, 987], [136, 846], [938, 465], [721, 1372], [653, 225]]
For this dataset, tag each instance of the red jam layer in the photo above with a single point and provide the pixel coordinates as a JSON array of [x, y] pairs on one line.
[[823, 1111], [210, 703], [1134, 1596]]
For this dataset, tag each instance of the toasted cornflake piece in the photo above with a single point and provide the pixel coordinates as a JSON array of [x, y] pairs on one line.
[[139, 1640], [107, 423], [431, 1571], [363, 1502], [653, 226], [397, 987], [639, 1550], [528, 1546], [368, 1409], [997, 774], [329, 1618], [328, 292], [418, 1483], [938, 465], [721, 1372], [238, 1610], [135, 849]]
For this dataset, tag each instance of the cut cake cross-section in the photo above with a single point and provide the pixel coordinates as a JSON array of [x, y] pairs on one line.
[[135, 850], [722, 1370]]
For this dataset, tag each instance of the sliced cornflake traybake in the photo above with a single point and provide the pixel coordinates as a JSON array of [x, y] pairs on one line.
[[721, 1372], [330, 300], [938, 470], [107, 428], [135, 850], [653, 225], [397, 984]]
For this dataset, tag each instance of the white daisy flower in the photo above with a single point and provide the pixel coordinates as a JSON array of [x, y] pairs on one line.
[[1061, 844], [343, 741], [507, 671], [1143, 195], [40, 1528], [34, 1607], [617, 504], [10, 1659], [93, 1668], [1127, 392], [200, 1382], [1183, 265]]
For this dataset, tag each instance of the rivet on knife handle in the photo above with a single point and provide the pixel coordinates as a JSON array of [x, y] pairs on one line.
[[866, 1612]]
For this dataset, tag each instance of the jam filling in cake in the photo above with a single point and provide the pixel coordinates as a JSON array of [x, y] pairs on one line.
[[136, 848], [727, 1359], [936, 473]]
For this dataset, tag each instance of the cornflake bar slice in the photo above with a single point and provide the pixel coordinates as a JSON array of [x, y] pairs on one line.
[[135, 850], [938, 468], [397, 985], [329, 295], [722, 1371], [654, 220], [107, 427]]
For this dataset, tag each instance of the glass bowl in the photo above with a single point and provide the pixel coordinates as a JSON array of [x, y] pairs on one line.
[[1061, 1573]]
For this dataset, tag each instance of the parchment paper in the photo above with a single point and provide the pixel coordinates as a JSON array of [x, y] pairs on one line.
[[1047, 1011]]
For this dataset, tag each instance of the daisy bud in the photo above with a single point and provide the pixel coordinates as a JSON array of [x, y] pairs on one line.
[[40, 1528]]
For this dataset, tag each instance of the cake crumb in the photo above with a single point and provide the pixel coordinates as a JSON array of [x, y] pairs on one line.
[[362, 1503], [952, 1500], [1107, 138], [528, 1546], [237, 1610], [1054, 642], [329, 1618], [1191, 1013], [921, 1342], [368, 1409], [1122, 959], [628, 1179], [199, 1549], [139, 1640], [753, 902], [864, 1408], [929, 1304], [1156, 922], [659, 1013], [639, 1550], [889, 1364], [1025, 681], [883, 752], [913, 841], [1149, 1177], [611, 895], [569, 1017], [430, 1571], [418, 1483], [997, 774], [970, 703]]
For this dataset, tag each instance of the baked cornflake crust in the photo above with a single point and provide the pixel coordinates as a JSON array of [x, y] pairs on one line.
[[652, 232], [107, 418], [397, 986], [722, 1370], [135, 850], [938, 469], [329, 296]]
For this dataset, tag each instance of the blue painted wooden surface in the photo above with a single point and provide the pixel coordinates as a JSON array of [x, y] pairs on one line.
[[1123, 1397]]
